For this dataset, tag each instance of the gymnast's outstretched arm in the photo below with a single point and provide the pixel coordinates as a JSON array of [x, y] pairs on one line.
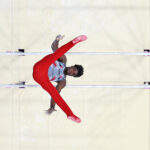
[[55, 45], [60, 84], [59, 87]]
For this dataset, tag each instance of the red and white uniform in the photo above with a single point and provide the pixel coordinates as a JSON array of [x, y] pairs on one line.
[[56, 71]]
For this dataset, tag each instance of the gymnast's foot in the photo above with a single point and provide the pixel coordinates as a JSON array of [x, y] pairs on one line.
[[79, 39], [74, 118]]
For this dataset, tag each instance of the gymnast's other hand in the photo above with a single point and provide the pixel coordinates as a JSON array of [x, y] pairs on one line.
[[59, 37], [50, 110]]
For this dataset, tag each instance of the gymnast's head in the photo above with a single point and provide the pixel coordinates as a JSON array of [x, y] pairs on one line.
[[75, 71]]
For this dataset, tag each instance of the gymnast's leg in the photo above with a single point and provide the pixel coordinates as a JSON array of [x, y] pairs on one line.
[[63, 49], [47, 85]]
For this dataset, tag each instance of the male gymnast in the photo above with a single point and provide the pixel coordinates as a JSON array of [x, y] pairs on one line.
[[53, 68]]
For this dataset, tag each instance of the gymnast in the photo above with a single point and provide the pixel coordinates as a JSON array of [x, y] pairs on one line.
[[53, 68]]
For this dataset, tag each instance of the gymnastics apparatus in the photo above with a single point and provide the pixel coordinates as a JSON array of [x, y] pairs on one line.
[[40, 73]]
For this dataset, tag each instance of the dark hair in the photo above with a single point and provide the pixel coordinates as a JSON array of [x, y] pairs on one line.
[[80, 70]]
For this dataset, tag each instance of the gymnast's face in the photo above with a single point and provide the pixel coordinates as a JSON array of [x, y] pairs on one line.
[[71, 71]]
